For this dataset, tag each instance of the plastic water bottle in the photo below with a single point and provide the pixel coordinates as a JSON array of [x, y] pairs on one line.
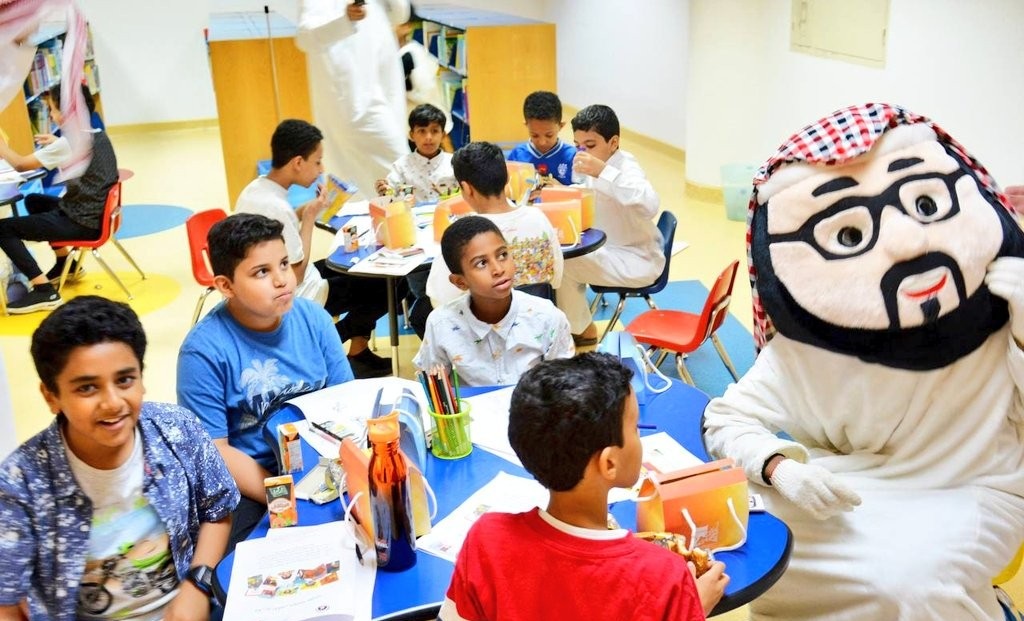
[[390, 498]]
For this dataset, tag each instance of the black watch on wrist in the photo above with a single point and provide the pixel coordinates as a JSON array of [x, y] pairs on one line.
[[202, 577]]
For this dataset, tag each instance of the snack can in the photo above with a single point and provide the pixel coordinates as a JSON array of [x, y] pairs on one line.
[[351, 237], [281, 501]]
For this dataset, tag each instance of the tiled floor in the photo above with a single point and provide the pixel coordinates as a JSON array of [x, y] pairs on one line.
[[184, 167]]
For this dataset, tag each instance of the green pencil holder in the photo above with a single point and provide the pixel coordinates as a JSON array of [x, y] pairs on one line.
[[451, 433]]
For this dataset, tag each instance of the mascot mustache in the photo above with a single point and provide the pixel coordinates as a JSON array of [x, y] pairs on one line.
[[930, 308]]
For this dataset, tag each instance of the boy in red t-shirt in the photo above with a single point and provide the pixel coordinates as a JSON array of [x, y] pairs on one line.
[[573, 424]]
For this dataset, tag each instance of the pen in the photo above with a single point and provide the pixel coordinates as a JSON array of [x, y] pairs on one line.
[[645, 426]]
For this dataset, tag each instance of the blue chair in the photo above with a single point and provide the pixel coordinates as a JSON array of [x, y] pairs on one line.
[[667, 226]]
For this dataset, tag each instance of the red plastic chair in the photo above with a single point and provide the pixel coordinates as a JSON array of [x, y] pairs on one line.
[[110, 223], [681, 333], [198, 226]]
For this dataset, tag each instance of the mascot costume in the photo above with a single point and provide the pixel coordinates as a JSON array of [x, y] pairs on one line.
[[882, 420]]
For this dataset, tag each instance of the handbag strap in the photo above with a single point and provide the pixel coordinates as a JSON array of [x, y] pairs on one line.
[[653, 370], [736, 518]]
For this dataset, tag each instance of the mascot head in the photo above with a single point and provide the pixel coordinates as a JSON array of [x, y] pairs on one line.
[[870, 235]]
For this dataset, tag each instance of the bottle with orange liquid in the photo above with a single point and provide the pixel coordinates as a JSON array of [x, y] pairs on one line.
[[390, 498]]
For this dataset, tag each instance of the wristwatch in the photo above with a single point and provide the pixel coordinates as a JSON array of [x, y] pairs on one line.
[[202, 577]]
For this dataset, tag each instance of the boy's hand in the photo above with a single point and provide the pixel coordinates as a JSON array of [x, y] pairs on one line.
[[315, 207], [382, 186], [190, 604], [587, 164], [711, 586], [45, 139]]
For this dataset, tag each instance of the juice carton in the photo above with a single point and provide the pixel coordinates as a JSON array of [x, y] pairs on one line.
[[281, 501]]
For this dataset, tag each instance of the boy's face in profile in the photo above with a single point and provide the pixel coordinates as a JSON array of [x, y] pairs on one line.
[[427, 138], [487, 268], [100, 392], [543, 133], [594, 143], [310, 168], [261, 291], [632, 452]]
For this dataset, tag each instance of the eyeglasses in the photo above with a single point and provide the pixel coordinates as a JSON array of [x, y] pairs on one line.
[[850, 226]]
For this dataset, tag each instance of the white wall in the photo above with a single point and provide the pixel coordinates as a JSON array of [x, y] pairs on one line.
[[152, 60], [631, 56], [955, 62]]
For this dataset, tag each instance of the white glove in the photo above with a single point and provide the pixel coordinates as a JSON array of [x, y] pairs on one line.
[[813, 489], [1005, 278]]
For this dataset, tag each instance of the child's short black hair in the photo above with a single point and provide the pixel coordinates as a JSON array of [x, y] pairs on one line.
[[563, 412], [83, 321], [425, 114], [458, 235], [597, 118], [481, 165], [542, 106], [230, 239], [292, 138], [53, 95]]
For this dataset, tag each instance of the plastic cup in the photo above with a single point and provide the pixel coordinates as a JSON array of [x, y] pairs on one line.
[[451, 433]]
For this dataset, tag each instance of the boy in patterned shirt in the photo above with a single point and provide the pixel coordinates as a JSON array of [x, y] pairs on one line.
[[120, 508], [493, 334], [532, 240]]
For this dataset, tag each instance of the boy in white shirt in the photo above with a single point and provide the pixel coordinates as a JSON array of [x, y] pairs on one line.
[[493, 334], [532, 240], [297, 153], [625, 206], [428, 169]]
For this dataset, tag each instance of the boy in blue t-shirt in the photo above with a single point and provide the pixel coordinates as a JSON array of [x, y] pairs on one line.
[[254, 351], [545, 150]]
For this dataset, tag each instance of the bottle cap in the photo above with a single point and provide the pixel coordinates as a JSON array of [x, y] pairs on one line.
[[383, 429]]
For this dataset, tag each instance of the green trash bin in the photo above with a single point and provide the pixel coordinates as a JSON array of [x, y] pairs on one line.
[[737, 183]]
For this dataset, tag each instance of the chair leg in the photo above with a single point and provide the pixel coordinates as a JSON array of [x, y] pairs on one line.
[[405, 315], [661, 357], [71, 258], [129, 257], [3, 296], [200, 303], [615, 316], [598, 299], [650, 302], [684, 373], [724, 356], [110, 272]]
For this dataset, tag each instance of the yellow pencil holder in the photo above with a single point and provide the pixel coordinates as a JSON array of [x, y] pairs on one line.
[[451, 438]]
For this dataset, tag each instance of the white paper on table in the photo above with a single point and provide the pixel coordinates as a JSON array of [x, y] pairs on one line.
[[384, 263], [352, 402], [663, 453], [504, 493], [354, 208], [488, 426], [301, 573]]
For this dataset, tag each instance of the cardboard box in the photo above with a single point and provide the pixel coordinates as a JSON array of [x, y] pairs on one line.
[[281, 501], [290, 446]]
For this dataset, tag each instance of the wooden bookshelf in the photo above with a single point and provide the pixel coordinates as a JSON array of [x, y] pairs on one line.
[[497, 59], [244, 88]]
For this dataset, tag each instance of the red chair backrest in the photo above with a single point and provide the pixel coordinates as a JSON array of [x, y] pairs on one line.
[[198, 226], [110, 222], [716, 308]]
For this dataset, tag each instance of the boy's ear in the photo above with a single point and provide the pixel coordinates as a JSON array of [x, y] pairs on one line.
[[224, 285], [459, 281], [614, 142], [467, 189], [608, 463], [410, 134], [51, 399]]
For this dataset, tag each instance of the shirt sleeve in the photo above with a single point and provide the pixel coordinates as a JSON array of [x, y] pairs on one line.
[[201, 383], [429, 353], [562, 345], [339, 370], [629, 187], [395, 176], [519, 153], [216, 494], [54, 154], [17, 543], [283, 213]]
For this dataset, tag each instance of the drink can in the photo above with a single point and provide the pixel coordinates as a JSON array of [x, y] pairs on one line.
[[350, 235]]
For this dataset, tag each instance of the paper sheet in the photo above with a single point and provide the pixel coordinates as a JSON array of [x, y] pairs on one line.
[[504, 493], [301, 573], [488, 426]]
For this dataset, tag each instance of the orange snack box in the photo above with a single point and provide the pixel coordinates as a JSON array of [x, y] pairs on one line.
[[281, 501]]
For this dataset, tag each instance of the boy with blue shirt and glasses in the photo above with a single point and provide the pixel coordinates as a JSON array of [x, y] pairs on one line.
[[254, 351], [120, 508], [542, 112], [494, 333]]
